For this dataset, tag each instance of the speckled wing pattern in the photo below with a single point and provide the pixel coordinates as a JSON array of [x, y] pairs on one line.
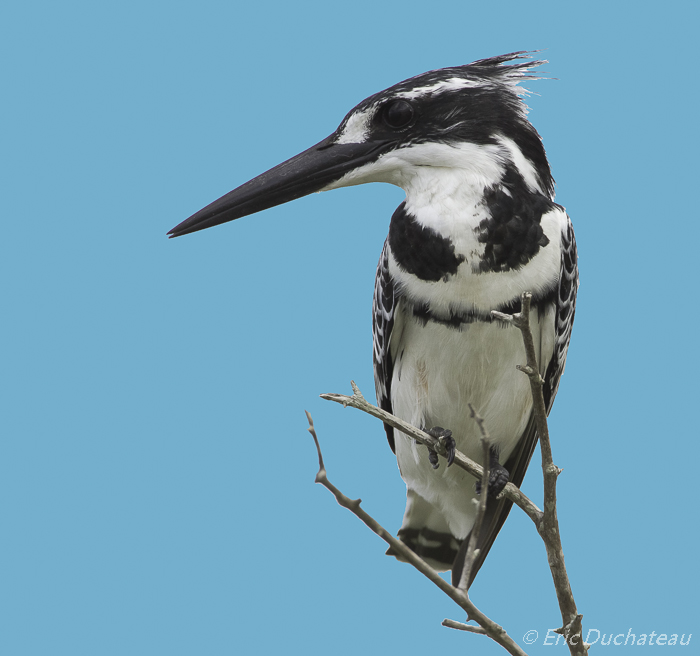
[[383, 307], [566, 308]]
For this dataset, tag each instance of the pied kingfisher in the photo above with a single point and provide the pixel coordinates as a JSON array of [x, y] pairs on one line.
[[478, 227]]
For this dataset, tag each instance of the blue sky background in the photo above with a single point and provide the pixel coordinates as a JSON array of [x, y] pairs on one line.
[[156, 475]]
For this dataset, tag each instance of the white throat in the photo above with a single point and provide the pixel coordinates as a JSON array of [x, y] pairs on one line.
[[444, 181]]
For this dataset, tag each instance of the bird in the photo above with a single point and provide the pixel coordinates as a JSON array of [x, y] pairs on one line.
[[478, 228]]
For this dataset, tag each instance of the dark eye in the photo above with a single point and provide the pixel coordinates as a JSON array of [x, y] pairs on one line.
[[398, 114]]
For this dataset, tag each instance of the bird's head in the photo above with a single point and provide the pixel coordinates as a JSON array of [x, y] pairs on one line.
[[468, 118]]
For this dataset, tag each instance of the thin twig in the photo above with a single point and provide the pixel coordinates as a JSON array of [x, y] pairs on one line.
[[460, 626], [549, 527], [490, 628], [360, 403], [472, 551]]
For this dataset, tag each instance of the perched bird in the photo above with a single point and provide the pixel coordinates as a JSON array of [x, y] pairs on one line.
[[477, 229]]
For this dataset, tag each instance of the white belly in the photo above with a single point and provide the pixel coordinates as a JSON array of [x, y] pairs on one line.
[[434, 379]]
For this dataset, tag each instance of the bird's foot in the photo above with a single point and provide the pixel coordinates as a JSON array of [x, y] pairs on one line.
[[498, 475], [445, 438]]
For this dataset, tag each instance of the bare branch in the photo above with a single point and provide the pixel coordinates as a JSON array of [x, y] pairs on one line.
[[472, 551], [489, 627], [549, 527], [460, 626], [360, 403], [546, 521]]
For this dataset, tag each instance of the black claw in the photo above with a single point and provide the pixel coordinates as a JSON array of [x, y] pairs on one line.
[[450, 447], [447, 441], [498, 476], [433, 458]]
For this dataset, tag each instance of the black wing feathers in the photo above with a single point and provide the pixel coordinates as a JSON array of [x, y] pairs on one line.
[[383, 307], [566, 308]]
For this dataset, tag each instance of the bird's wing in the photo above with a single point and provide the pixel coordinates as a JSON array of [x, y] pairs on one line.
[[383, 307], [497, 512], [566, 308]]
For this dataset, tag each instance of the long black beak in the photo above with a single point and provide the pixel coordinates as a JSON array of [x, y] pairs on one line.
[[299, 176]]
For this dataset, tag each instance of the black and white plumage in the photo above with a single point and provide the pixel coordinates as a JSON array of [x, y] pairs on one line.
[[478, 227]]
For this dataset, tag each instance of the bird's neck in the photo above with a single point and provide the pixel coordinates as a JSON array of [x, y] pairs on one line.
[[446, 200], [448, 187], [471, 235]]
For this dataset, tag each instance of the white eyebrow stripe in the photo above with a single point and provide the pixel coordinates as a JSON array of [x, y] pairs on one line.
[[356, 130], [452, 84]]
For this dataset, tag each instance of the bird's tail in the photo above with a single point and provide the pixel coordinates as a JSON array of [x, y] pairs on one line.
[[426, 533]]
